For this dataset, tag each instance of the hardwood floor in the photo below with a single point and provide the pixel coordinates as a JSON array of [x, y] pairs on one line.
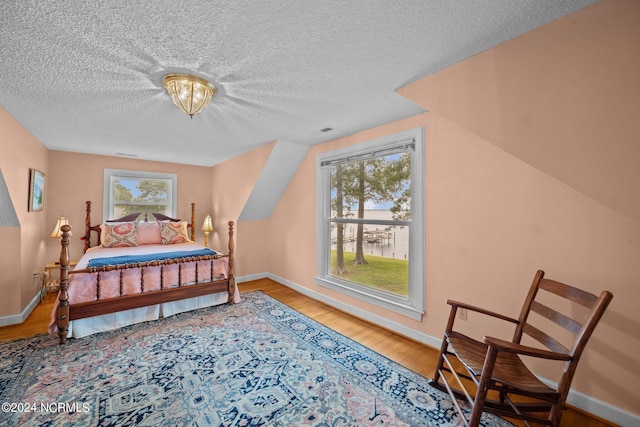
[[411, 354], [36, 323]]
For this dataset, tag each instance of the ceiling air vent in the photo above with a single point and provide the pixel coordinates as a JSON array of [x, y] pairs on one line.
[[321, 131]]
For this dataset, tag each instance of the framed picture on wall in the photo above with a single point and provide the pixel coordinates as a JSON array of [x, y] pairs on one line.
[[36, 191]]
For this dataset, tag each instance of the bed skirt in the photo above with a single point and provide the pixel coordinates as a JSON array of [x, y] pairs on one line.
[[83, 327]]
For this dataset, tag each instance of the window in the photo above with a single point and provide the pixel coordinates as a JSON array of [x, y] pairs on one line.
[[370, 222], [127, 192]]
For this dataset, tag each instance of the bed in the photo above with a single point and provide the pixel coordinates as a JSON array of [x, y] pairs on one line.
[[138, 270]]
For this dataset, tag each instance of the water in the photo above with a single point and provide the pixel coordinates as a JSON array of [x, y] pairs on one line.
[[380, 240]]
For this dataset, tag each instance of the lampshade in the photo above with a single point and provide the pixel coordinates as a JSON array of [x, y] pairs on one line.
[[57, 232], [207, 226], [189, 93]]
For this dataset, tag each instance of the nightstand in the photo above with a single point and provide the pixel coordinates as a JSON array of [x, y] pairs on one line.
[[49, 285]]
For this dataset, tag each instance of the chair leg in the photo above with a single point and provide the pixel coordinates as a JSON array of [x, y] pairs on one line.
[[478, 405], [483, 386], [440, 361], [444, 347], [555, 414]]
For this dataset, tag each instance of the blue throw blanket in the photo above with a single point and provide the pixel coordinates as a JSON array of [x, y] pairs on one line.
[[131, 259]]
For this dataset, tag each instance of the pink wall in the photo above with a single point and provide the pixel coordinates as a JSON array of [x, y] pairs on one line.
[[77, 178], [562, 98], [74, 178], [561, 102], [492, 221], [234, 180], [22, 250]]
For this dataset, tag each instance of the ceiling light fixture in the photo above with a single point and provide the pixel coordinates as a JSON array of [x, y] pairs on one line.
[[189, 93]]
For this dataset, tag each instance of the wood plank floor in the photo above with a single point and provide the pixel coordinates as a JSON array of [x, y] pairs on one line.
[[411, 354]]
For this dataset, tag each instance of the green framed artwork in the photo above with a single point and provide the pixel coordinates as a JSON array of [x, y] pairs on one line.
[[36, 191]]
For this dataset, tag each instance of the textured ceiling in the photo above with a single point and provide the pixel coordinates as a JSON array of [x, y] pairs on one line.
[[86, 76]]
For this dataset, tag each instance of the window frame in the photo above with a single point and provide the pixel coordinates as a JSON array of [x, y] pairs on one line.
[[109, 174], [412, 306]]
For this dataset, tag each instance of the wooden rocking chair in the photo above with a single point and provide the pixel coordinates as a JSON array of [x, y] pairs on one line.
[[503, 384]]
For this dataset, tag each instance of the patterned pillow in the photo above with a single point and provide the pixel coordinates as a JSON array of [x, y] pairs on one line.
[[122, 234], [172, 233]]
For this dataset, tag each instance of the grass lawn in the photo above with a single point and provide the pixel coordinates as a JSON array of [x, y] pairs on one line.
[[386, 274]]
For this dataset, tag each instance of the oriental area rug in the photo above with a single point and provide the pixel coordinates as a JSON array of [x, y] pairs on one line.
[[256, 363]]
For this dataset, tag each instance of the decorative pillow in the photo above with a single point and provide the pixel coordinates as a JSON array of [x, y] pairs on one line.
[[104, 230], [185, 229], [149, 233], [122, 234], [172, 233]]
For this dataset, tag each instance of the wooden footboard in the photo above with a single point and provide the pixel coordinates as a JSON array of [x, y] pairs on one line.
[[66, 312]]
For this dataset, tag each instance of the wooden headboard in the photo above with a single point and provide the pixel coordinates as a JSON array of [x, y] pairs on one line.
[[128, 218]]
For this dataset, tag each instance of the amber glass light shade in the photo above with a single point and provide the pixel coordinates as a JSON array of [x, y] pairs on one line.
[[189, 93]]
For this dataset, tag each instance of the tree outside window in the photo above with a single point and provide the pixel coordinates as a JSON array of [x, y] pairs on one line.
[[367, 253], [371, 220], [128, 192]]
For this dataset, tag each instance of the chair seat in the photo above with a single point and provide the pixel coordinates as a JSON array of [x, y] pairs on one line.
[[509, 369]]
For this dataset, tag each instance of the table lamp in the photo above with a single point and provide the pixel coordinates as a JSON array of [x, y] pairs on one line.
[[207, 227]]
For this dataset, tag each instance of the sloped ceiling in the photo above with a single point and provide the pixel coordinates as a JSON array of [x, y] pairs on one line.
[[86, 76], [274, 179], [562, 98], [8, 217]]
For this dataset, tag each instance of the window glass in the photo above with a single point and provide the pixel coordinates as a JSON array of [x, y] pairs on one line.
[[370, 222], [127, 192], [372, 254]]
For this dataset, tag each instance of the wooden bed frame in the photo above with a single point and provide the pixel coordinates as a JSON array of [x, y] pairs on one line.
[[66, 312]]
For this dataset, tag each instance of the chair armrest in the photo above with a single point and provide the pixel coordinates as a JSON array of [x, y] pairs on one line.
[[525, 350], [457, 304]]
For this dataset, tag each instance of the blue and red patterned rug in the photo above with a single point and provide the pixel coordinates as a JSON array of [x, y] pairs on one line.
[[257, 363]]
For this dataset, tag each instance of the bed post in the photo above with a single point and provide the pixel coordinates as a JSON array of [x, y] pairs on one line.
[[232, 279], [87, 227], [193, 222], [62, 312]]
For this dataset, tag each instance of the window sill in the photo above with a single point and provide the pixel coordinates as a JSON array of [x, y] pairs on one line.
[[378, 300]]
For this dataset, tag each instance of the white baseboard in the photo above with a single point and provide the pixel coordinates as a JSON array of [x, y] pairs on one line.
[[575, 398], [16, 319], [601, 409]]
